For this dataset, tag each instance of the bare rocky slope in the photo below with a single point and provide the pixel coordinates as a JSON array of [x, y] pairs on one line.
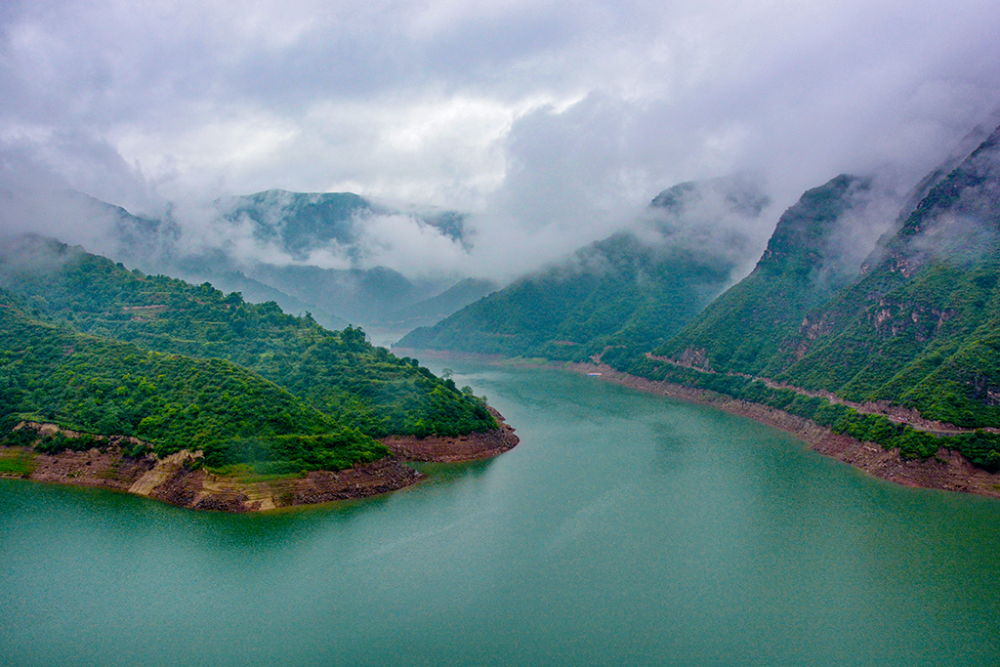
[[181, 479]]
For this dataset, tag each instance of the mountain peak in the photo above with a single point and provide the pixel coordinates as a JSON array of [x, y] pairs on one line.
[[958, 219], [808, 236]]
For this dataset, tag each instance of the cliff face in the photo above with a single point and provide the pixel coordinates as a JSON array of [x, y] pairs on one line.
[[803, 265], [920, 328], [917, 324]]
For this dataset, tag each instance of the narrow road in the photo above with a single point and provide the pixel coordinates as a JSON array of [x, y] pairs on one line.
[[895, 413]]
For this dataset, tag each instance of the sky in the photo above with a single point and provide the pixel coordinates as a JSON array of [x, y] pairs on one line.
[[553, 123]]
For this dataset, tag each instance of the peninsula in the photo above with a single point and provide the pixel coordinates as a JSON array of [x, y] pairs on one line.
[[148, 384]]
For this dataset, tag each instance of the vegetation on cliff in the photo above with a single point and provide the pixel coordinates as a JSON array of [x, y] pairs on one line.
[[919, 327], [803, 265]]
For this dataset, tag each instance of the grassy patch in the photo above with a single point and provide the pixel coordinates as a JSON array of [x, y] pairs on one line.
[[250, 473], [17, 463], [112, 471]]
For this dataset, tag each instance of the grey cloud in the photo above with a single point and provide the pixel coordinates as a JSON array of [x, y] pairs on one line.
[[556, 124]]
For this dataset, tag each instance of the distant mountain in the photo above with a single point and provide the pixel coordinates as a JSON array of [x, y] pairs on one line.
[[255, 291], [299, 226], [360, 296], [632, 289], [436, 308], [154, 246], [301, 222]]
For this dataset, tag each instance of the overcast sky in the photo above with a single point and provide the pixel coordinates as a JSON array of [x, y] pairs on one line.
[[552, 120]]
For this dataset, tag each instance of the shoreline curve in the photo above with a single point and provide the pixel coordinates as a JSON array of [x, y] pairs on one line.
[[946, 471], [175, 480]]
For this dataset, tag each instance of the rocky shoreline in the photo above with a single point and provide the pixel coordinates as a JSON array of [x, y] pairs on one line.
[[471, 447], [947, 470], [178, 480]]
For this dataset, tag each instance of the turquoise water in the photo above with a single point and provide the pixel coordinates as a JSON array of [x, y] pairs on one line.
[[626, 529]]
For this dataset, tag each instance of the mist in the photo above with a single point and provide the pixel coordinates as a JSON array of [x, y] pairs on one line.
[[548, 128]]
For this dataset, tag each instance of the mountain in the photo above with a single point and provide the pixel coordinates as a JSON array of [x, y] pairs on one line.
[[299, 223], [912, 339], [155, 245], [806, 262], [356, 295], [279, 245], [921, 328], [436, 308], [80, 302], [633, 289]]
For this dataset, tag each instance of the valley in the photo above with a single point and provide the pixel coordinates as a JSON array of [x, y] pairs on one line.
[[518, 334], [890, 345]]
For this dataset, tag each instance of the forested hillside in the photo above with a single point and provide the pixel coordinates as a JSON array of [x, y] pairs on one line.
[[918, 329], [632, 290], [338, 376], [802, 267], [104, 387]]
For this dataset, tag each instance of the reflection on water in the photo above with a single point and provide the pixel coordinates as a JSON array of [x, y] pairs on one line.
[[449, 473], [625, 529]]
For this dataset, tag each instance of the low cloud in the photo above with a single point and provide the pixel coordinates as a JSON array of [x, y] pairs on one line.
[[551, 128]]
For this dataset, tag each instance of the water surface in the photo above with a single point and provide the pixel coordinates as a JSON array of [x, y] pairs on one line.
[[626, 529]]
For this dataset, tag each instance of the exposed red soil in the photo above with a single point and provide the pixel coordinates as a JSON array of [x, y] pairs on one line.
[[177, 480], [198, 489], [108, 469], [452, 450], [947, 470]]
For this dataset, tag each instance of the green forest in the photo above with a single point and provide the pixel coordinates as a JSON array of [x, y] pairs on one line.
[[634, 289], [92, 346], [619, 291]]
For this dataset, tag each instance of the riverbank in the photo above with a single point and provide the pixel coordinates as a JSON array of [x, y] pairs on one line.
[[179, 479], [471, 447], [947, 470]]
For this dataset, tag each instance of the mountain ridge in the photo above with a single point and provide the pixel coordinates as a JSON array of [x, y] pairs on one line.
[[630, 289]]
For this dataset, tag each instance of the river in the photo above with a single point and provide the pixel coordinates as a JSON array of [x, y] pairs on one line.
[[625, 529]]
